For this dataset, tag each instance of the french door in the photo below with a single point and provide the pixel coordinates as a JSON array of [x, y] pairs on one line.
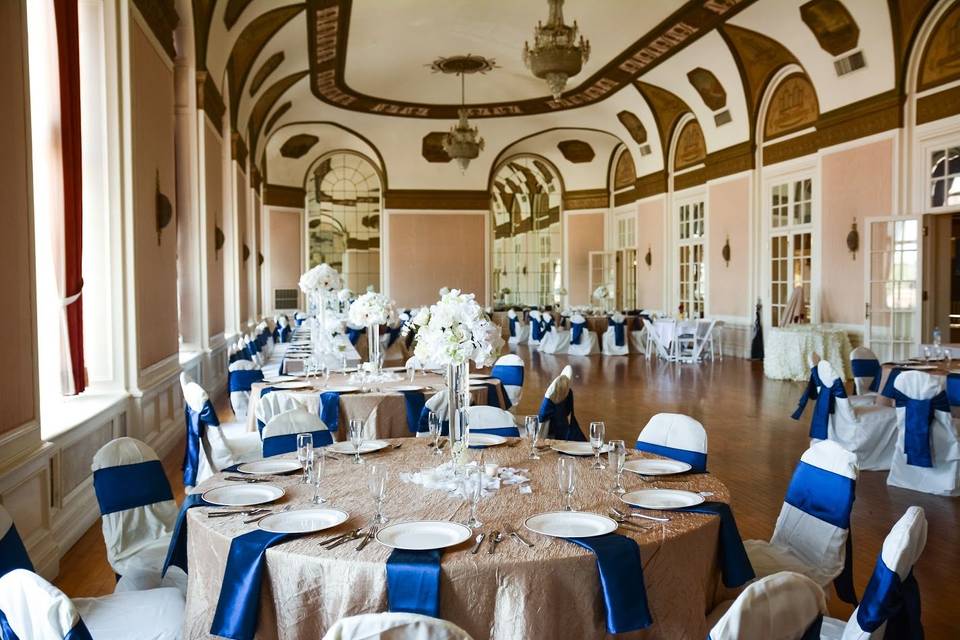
[[603, 271], [893, 264]]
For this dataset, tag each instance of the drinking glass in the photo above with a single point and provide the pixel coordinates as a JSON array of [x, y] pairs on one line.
[[472, 483], [597, 430], [411, 372], [567, 481], [317, 467], [304, 453], [433, 423], [926, 354], [355, 433], [948, 356], [377, 478], [325, 372], [531, 424], [617, 456]]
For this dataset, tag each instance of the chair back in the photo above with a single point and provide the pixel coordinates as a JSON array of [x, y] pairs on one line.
[[509, 370], [866, 370], [654, 337], [557, 411], [578, 324], [921, 402], [32, 608], [676, 436], [13, 555], [280, 433], [394, 626], [953, 389], [782, 606], [241, 375], [204, 442], [487, 419], [136, 503]]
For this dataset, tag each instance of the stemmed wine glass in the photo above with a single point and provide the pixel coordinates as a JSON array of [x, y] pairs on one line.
[[317, 475], [567, 481], [325, 372], [377, 478], [531, 424], [305, 454], [617, 457], [355, 433], [472, 490], [433, 423], [597, 431]]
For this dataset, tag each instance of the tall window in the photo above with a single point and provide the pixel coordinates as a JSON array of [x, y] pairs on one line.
[[791, 242], [627, 262], [945, 177], [692, 268]]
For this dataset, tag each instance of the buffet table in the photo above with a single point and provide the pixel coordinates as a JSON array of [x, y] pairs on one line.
[[548, 591], [788, 351]]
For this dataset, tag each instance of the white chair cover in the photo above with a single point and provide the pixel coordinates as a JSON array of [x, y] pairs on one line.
[[521, 330], [240, 399], [638, 339], [778, 607], [287, 425], [217, 450], [869, 431], [588, 344], [677, 436], [866, 372], [509, 369], [534, 318], [555, 340], [394, 626], [943, 478], [486, 417], [34, 608], [610, 346]]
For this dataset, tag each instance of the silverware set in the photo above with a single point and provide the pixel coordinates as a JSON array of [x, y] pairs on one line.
[[260, 516], [234, 512], [634, 514]]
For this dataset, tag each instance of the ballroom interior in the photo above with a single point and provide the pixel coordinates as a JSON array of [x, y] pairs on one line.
[[317, 281]]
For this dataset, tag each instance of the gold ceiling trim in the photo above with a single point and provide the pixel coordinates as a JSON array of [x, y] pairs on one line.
[[265, 103], [436, 199]]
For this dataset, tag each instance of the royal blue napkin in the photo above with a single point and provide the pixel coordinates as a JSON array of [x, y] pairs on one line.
[[330, 409], [735, 567], [414, 401], [413, 582], [239, 602], [621, 580], [177, 551]]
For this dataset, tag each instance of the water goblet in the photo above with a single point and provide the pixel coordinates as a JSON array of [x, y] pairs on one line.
[[304, 454], [433, 424], [617, 457], [926, 354], [319, 458], [597, 431], [325, 372], [377, 478], [411, 372], [472, 484], [355, 433], [531, 425], [567, 481]]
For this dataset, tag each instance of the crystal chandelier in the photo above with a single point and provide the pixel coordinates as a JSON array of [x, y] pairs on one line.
[[463, 143], [556, 54]]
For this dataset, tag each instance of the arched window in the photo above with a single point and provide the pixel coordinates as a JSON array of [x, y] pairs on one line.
[[525, 199]]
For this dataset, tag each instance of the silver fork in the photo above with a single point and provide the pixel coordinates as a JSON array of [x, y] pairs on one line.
[[261, 516], [621, 514], [224, 514]]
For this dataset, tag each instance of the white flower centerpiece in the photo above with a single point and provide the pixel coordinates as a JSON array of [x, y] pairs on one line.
[[451, 333], [371, 310], [603, 294], [318, 284]]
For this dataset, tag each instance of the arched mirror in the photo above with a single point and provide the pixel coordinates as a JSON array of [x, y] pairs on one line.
[[526, 199], [343, 218]]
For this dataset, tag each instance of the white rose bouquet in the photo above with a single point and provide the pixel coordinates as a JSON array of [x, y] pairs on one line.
[[601, 292], [454, 331], [372, 308], [322, 277]]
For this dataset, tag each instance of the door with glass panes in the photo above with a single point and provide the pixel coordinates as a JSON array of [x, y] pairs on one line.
[[790, 211], [692, 272]]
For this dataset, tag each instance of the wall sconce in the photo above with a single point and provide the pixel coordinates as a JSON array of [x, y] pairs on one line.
[[164, 211], [648, 258], [853, 239], [259, 259], [725, 252], [218, 240], [246, 252]]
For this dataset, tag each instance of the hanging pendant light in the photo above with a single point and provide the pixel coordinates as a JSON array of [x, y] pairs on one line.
[[556, 55], [463, 143]]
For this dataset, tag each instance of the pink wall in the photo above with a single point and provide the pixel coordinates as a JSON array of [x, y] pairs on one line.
[[729, 216], [433, 250], [650, 234], [213, 174], [584, 234], [257, 267], [856, 183], [18, 373], [285, 251], [152, 124], [240, 202]]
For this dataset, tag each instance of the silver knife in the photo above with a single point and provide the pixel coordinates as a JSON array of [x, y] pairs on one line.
[[519, 538], [353, 536], [366, 539], [495, 538], [476, 546]]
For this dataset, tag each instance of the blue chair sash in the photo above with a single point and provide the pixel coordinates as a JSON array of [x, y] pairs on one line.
[[576, 331], [239, 602], [233, 357], [735, 567], [393, 333], [509, 374], [78, 632], [330, 409], [697, 460], [536, 329], [286, 443], [128, 486], [562, 421], [285, 334], [506, 432], [826, 398], [619, 334], [414, 402], [413, 582], [621, 581], [243, 380], [13, 555], [829, 497], [916, 433], [493, 396], [177, 551], [354, 335], [197, 423], [953, 389], [423, 424], [298, 321], [888, 599], [888, 390], [513, 327], [867, 369]]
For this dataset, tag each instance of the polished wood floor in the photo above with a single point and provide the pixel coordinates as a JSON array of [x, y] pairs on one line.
[[754, 446]]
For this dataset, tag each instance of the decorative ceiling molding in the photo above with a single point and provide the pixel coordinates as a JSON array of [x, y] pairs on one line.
[[831, 24], [709, 88], [265, 103], [586, 199], [691, 147], [436, 199], [210, 100], [161, 16], [793, 106], [940, 62], [276, 195], [297, 146], [276, 115], [232, 11], [634, 126], [938, 105], [651, 184], [906, 17], [576, 151], [202, 19], [625, 171], [328, 27], [269, 66], [666, 108]]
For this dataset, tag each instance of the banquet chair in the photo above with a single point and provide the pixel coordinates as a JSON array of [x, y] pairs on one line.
[[509, 370], [615, 337], [782, 606], [555, 339], [812, 534], [391, 346], [638, 336], [891, 602], [208, 448], [866, 373], [137, 510], [556, 410], [240, 378], [676, 436], [33, 609], [927, 455], [536, 328], [654, 343], [283, 332], [519, 330], [715, 340], [583, 342], [299, 317], [486, 419], [280, 433], [394, 626], [13, 554]]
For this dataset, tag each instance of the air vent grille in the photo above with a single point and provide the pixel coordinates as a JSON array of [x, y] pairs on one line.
[[285, 298], [850, 63], [722, 118], [644, 149]]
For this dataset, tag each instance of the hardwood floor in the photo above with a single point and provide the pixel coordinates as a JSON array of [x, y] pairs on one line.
[[754, 446]]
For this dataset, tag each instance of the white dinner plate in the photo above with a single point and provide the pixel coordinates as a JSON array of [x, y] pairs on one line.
[[367, 447], [570, 524], [296, 384], [407, 387], [484, 440], [922, 367], [276, 379], [343, 388], [303, 521], [269, 467], [423, 535], [662, 498], [649, 467], [395, 369], [242, 495], [577, 448]]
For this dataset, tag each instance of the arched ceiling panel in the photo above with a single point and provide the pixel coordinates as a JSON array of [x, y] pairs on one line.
[[291, 172], [576, 175]]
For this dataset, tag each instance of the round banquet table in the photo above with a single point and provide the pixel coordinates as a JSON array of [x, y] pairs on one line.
[[384, 412], [788, 351], [549, 591]]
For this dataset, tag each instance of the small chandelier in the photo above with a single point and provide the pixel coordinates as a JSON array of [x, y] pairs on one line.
[[463, 143], [556, 54]]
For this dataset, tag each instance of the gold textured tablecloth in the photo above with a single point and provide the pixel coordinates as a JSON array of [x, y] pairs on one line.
[[551, 591]]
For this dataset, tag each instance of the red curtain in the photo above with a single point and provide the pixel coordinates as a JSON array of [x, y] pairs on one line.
[[68, 48]]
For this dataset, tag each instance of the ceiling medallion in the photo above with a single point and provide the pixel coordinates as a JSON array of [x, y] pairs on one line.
[[463, 143], [556, 55]]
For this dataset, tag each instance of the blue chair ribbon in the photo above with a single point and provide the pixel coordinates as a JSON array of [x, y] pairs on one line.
[[829, 497], [413, 582], [735, 567], [392, 334], [239, 601], [243, 380], [414, 402], [508, 374], [867, 369], [177, 551], [888, 599], [233, 357], [563, 421], [285, 334], [493, 396], [888, 390], [13, 555], [619, 335], [513, 327], [813, 631], [916, 433], [576, 331], [128, 486], [506, 432], [536, 329], [197, 423], [330, 409], [826, 398], [287, 443], [354, 335], [621, 581], [953, 389], [810, 392], [697, 460], [264, 391], [423, 424]]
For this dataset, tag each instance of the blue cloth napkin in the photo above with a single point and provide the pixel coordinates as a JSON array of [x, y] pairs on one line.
[[413, 582], [177, 551], [493, 398], [415, 401], [621, 580], [330, 409], [239, 602], [735, 567]]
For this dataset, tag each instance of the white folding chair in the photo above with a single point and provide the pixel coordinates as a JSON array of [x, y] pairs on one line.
[[782, 606], [676, 436], [615, 337], [280, 433], [583, 342], [715, 341], [654, 343], [394, 626], [509, 370]]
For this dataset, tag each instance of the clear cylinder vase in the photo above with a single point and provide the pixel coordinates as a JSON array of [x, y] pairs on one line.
[[458, 400], [373, 348]]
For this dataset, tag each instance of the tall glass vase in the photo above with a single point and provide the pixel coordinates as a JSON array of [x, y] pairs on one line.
[[458, 400], [373, 348]]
